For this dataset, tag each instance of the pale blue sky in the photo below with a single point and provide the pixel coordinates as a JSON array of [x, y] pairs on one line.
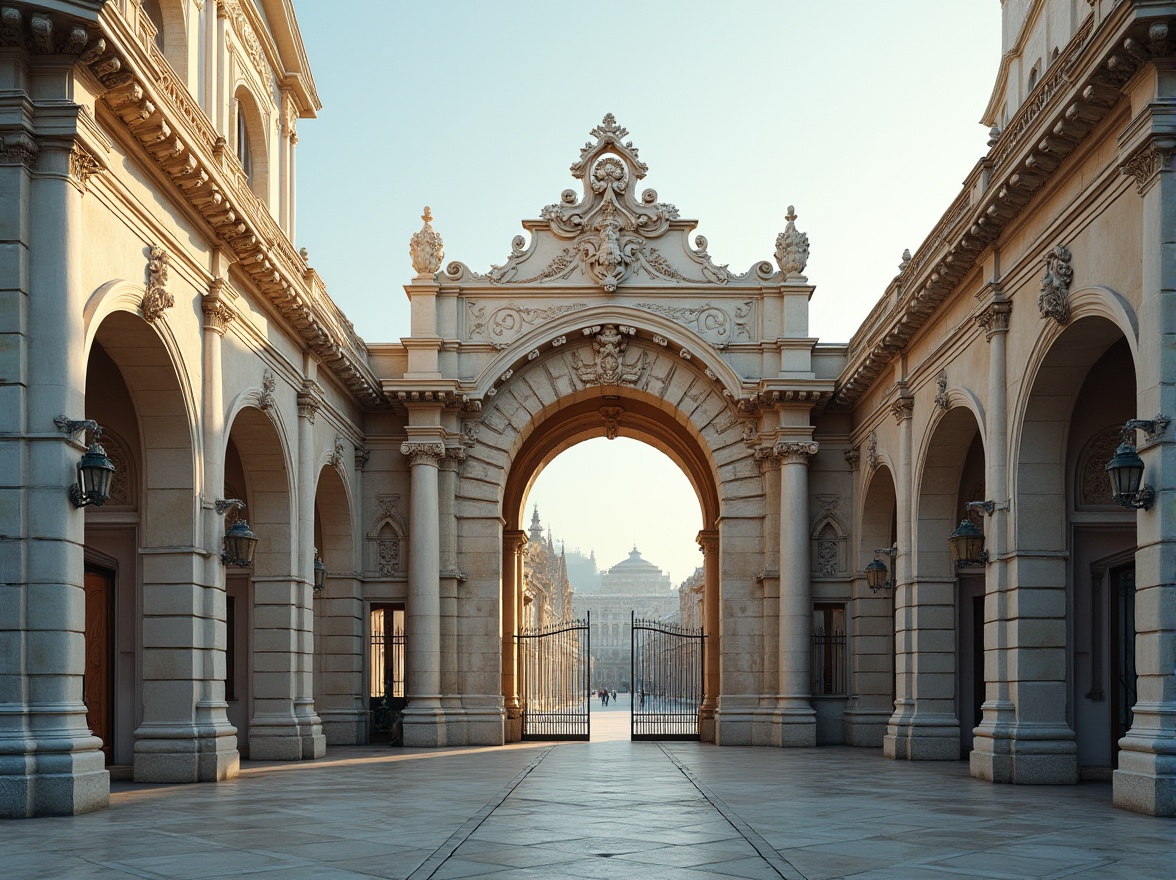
[[862, 114]]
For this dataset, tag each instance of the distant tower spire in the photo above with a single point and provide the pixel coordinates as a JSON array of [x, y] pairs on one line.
[[536, 529]]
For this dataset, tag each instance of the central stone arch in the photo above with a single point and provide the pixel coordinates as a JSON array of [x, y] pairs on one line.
[[606, 321]]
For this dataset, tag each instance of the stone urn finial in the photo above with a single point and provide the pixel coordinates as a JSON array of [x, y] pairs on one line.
[[792, 249], [426, 248]]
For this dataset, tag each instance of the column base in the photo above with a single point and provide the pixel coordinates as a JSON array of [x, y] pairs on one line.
[[276, 739], [708, 731], [922, 738], [424, 727], [866, 728], [310, 729], [1025, 754], [55, 780], [797, 726], [345, 727], [1145, 781], [186, 753]]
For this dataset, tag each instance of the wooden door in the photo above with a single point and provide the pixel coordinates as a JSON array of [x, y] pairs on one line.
[[98, 678]]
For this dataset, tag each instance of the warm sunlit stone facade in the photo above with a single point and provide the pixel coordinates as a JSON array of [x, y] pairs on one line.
[[150, 283]]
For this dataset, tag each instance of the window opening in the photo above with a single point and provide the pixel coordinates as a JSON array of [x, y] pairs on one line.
[[828, 649]]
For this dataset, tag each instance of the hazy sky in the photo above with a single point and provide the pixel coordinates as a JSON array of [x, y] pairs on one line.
[[862, 114]]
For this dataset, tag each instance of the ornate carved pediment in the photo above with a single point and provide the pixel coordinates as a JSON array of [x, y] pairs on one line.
[[609, 234]]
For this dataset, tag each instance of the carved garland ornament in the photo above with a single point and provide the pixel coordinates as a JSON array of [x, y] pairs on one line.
[[1054, 301], [157, 299]]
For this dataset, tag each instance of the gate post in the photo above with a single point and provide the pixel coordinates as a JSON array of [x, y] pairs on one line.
[[513, 542], [708, 542]]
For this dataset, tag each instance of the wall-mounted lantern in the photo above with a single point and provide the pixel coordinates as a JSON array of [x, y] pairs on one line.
[[320, 573], [879, 574], [1125, 469], [239, 542], [967, 545], [95, 470]]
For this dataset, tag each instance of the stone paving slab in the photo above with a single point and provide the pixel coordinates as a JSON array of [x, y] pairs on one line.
[[605, 809]]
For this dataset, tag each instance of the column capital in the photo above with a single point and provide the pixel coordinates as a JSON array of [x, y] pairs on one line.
[[514, 539], [708, 541], [795, 452], [995, 318], [902, 408], [1145, 163], [218, 314], [309, 401], [426, 452]]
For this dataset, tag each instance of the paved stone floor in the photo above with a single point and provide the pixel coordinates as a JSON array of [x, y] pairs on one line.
[[605, 809]]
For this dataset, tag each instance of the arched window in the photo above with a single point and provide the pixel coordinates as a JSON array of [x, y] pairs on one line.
[[251, 145], [151, 8], [244, 148]]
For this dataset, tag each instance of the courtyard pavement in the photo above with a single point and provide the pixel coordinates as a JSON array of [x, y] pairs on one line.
[[605, 809]]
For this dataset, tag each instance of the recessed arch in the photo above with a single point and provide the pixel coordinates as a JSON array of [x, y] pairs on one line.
[[251, 141]]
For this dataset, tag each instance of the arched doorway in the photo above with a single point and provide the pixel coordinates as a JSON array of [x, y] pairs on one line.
[[939, 615], [1069, 625], [872, 616]]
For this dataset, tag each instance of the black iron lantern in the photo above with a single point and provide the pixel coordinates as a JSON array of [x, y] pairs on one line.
[[1125, 471], [240, 544], [878, 575], [967, 545], [95, 474], [320, 573]]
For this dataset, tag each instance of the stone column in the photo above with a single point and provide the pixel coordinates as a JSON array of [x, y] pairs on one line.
[[424, 723], [993, 747], [513, 542], [1145, 780], [798, 719], [310, 728], [708, 542], [50, 764]]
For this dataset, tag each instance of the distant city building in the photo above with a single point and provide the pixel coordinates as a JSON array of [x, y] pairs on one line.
[[632, 586], [547, 592]]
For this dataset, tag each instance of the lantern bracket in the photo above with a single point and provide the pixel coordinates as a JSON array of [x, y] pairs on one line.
[[1152, 428], [72, 427], [988, 507], [224, 504]]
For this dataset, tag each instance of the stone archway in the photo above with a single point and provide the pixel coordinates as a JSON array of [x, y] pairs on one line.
[[606, 320]]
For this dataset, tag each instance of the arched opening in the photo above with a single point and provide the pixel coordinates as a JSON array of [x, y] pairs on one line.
[[940, 615], [338, 617], [171, 38], [647, 550], [251, 143], [872, 617], [1072, 626], [271, 603], [148, 607]]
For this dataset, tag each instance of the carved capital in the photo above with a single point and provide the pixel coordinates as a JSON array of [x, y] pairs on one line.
[[19, 148], [82, 165], [362, 454], [902, 408], [853, 457], [708, 541], [427, 452], [514, 540], [455, 456], [795, 452], [217, 313], [157, 299], [1148, 160], [995, 318], [309, 402]]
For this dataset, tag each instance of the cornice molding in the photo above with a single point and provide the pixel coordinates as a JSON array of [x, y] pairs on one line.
[[1091, 72], [143, 92]]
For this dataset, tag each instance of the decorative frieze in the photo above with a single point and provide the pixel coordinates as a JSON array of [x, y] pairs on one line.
[[157, 299], [426, 248], [714, 323], [506, 323], [1054, 301]]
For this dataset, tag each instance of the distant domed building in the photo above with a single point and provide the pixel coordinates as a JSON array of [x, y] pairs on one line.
[[632, 586]]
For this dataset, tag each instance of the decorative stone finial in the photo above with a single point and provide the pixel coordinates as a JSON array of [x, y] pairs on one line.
[[426, 248], [792, 249], [994, 134], [906, 260]]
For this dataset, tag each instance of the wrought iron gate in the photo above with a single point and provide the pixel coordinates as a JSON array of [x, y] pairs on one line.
[[668, 666], [554, 680]]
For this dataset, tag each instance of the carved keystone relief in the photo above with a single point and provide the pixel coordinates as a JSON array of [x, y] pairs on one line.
[[610, 234], [608, 365]]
